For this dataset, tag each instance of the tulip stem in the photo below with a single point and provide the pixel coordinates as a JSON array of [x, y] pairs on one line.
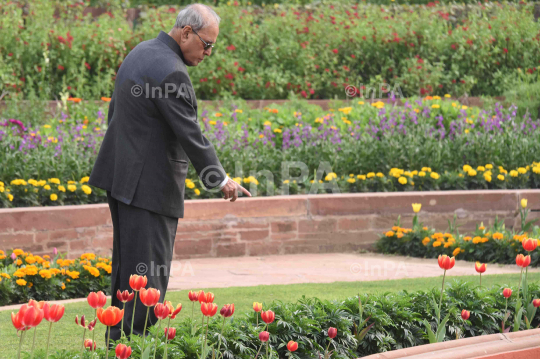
[[480, 279], [133, 317], [206, 336], [33, 343], [192, 314], [108, 338], [48, 341], [93, 335], [440, 301], [20, 344], [267, 350], [505, 310], [519, 285], [122, 327], [83, 336], [157, 335], [167, 336], [144, 331], [219, 345], [258, 351]]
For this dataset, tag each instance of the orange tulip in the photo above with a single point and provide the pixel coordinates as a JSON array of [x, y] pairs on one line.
[[257, 306], [194, 296], [209, 309], [446, 262], [53, 313], [125, 296], [292, 345], [227, 310], [150, 296], [480, 267], [97, 300], [137, 282], [523, 261], [110, 316], [161, 311], [268, 316], [122, 351], [32, 317], [74, 99], [530, 244], [507, 293], [206, 297]]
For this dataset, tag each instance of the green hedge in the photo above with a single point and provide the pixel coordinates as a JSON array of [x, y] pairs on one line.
[[313, 52]]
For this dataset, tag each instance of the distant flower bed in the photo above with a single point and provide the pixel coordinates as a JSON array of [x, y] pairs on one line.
[[24, 276]]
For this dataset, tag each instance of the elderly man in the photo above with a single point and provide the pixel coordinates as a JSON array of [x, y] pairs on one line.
[[152, 136]]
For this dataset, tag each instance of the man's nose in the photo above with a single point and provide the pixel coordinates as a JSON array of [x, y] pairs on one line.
[[208, 52]]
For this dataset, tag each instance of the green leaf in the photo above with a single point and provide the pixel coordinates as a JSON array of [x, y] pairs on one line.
[[431, 335], [441, 330], [146, 353]]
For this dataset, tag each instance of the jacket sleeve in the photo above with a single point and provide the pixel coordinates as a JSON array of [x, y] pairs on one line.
[[176, 106]]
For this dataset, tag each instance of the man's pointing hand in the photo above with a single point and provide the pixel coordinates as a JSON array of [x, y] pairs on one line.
[[230, 190]]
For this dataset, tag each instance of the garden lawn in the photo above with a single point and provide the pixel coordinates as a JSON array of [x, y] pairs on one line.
[[67, 335]]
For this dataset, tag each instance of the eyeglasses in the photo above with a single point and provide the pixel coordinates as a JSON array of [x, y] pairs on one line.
[[207, 45]]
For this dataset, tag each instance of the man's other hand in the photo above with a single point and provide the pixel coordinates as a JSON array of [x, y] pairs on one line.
[[230, 190]]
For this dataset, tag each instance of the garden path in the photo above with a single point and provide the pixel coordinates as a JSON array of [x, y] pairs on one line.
[[203, 273]]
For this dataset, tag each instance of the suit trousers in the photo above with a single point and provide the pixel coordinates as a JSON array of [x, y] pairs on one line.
[[143, 243]]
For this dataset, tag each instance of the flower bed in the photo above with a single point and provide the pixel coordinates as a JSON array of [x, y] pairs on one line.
[[426, 50], [24, 276], [423, 145]]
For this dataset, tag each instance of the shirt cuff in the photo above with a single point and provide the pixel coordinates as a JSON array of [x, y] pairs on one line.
[[223, 183]]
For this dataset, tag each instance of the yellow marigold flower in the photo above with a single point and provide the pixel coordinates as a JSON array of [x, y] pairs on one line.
[[500, 177], [277, 130], [371, 175], [197, 191], [380, 174], [471, 173], [89, 256], [435, 106], [487, 178], [498, 236], [45, 273], [62, 188], [351, 180], [389, 234], [481, 228], [447, 96], [85, 179], [86, 189], [31, 270], [480, 168], [402, 180], [421, 174], [30, 260], [21, 282], [485, 239], [218, 114], [18, 262], [190, 185], [72, 188], [464, 107], [19, 273], [53, 197], [456, 251], [47, 187], [434, 175], [437, 244], [400, 235], [489, 166], [477, 240], [522, 170], [361, 177], [426, 241], [5, 275], [513, 173], [63, 286], [426, 169], [54, 180]]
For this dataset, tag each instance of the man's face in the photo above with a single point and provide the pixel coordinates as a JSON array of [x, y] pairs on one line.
[[192, 46]]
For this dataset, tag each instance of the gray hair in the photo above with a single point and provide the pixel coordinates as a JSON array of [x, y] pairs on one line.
[[197, 16]]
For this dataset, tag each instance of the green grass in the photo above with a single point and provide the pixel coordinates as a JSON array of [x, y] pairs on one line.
[[66, 334]]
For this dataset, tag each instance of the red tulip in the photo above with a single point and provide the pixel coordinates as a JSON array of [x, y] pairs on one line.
[[194, 296], [536, 303], [125, 296], [137, 282], [38, 305], [110, 316], [530, 244], [480, 267], [92, 324], [122, 351], [175, 312], [507, 293], [257, 306], [88, 344], [17, 319], [97, 300], [209, 309], [523, 261], [264, 336], [206, 297], [465, 314], [170, 333], [53, 313], [332, 332], [227, 310], [149, 297], [268, 316], [446, 262], [161, 311], [32, 317], [292, 345]]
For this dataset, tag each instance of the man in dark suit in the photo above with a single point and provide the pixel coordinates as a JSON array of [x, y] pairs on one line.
[[152, 136]]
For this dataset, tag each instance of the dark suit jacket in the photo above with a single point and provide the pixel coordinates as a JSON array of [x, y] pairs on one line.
[[152, 136]]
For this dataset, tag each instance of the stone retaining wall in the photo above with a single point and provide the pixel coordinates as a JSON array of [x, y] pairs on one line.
[[266, 225]]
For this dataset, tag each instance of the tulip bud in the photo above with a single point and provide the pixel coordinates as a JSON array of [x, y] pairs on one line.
[[292, 345], [257, 306], [536, 303], [13, 256], [465, 314], [170, 333], [507, 293], [268, 316], [530, 244], [227, 310], [264, 336], [92, 324], [332, 332], [122, 351], [524, 203], [55, 251], [480, 267], [88, 344]]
